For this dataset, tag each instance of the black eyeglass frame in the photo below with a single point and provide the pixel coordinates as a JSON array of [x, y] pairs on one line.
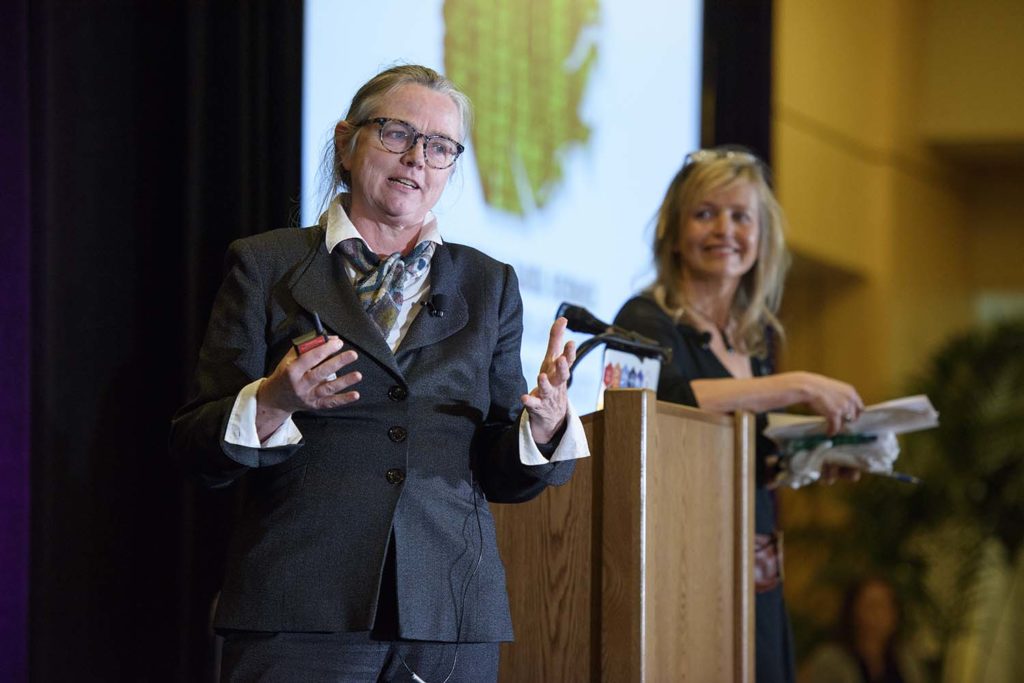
[[382, 121]]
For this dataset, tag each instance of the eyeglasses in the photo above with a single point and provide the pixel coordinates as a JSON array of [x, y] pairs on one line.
[[704, 155], [398, 137], [734, 154]]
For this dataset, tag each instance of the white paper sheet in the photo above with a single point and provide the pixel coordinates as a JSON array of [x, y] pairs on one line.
[[901, 415]]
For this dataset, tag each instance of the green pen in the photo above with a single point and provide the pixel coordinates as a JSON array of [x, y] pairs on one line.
[[809, 442]]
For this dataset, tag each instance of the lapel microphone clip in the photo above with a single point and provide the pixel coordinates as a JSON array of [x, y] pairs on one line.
[[436, 305]]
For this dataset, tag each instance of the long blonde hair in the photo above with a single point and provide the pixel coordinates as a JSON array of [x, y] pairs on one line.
[[756, 303]]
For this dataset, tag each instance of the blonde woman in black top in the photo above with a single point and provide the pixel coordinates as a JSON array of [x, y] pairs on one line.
[[721, 258]]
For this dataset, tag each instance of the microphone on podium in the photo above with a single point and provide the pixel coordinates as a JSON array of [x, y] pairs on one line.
[[581, 320], [614, 337]]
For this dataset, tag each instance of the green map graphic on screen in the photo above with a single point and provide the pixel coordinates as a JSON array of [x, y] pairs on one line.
[[524, 64]]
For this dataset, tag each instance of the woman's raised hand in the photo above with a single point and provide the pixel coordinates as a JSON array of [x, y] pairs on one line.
[[548, 402]]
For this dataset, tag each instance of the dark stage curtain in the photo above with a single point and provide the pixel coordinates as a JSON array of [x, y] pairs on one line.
[[159, 131], [15, 349], [737, 82]]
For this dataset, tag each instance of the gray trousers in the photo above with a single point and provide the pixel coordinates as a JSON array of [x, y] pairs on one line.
[[352, 658]]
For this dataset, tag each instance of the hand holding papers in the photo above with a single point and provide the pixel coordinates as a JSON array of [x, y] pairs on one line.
[[868, 443], [898, 416]]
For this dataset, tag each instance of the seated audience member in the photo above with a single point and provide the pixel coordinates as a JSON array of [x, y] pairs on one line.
[[868, 647]]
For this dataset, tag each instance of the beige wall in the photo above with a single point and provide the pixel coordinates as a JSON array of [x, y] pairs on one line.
[[885, 222], [995, 227], [974, 91], [899, 159]]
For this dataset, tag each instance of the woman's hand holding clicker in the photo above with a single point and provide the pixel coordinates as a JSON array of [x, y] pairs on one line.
[[306, 382], [548, 402]]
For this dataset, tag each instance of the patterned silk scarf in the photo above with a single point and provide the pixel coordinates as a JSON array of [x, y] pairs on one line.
[[380, 283]]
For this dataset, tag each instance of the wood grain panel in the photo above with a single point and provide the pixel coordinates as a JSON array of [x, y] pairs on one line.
[[743, 542], [639, 569], [622, 540], [547, 546]]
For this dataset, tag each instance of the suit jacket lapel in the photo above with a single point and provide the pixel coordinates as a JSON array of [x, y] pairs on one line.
[[427, 329], [324, 287]]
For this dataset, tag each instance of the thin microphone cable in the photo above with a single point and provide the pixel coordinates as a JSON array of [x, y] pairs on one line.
[[462, 607]]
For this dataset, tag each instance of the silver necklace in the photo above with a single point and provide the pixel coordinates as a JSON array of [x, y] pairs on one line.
[[721, 330]]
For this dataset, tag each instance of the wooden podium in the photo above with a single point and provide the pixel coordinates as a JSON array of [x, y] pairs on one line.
[[641, 568]]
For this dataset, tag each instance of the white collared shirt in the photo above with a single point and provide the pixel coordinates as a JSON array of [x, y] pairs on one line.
[[241, 425], [340, 228]]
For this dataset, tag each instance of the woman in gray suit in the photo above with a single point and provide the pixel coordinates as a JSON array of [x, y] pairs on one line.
[[366, 549]]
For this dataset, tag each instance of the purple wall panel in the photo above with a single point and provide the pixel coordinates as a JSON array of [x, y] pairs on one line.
[[15, 398]]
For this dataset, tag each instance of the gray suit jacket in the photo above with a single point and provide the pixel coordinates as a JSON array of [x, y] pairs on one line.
[[440, 414]]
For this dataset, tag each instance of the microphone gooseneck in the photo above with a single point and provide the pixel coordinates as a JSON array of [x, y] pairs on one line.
[[614, 337], [581, 320]]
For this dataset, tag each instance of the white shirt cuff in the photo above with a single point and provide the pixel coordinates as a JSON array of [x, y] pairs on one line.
[[241, 429], [572, 446]]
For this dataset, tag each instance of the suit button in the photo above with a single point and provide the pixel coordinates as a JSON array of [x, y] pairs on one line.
[[397, 393], [395, 475], [397, 434]]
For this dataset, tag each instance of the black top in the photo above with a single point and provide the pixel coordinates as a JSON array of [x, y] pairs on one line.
[[692, 358]]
